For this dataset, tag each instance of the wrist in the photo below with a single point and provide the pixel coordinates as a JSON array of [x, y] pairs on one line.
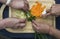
[[52, 31], [2, 24]]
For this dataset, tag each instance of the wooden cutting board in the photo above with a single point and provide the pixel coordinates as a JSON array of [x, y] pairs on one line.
[[1, 11], [28, 28]]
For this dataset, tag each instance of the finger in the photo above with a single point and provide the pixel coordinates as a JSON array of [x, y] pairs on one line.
[[19, 20], [48, 14], [26, 2], [22, 20], [35, 22], [44, 16], [26, 8], [26, 5], [35, 26], [16, 26], [22, 24], [48, 10]]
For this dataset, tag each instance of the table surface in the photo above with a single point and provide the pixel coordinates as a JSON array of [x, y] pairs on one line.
[[24, 35]]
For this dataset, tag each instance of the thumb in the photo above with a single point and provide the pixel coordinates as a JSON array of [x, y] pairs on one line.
[[45, 15], [48, 14]]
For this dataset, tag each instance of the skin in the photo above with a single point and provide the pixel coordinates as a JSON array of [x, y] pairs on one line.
[[14, 22], [54, 10], [18, 4], [38, 27], [42, 27]]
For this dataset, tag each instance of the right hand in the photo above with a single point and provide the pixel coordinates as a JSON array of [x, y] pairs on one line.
[[14, 22], [41, 27], [55, 10]]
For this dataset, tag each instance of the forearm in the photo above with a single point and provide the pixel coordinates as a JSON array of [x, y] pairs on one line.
[[2, 24], [3, 1], [55, 33]]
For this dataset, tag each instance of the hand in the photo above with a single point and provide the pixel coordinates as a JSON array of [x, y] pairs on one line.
[[19, 4], [55, 10], [14, 22], [40, 27]]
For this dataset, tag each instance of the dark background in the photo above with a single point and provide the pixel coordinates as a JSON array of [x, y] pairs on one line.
[[24, 35]]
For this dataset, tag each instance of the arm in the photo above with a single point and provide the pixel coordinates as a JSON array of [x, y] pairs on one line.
[[2, 26], [3, 1], [55, 33]]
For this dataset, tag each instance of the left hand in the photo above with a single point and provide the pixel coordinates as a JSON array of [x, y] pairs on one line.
[[19, 4], [40, 27]]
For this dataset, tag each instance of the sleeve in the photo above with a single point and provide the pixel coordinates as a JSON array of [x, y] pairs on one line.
[[58, 18], [57, 1]]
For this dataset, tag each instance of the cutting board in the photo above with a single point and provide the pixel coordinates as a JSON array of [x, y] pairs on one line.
[[1, 11], [28, 28]]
